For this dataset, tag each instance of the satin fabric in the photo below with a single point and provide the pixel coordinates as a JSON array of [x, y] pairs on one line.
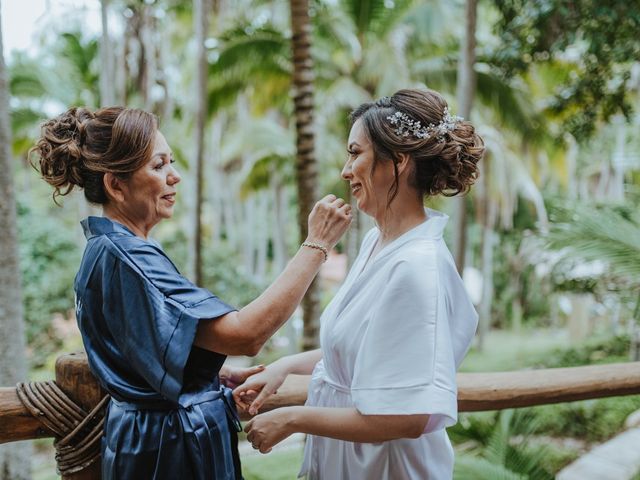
[[168, 418], [392, 339]]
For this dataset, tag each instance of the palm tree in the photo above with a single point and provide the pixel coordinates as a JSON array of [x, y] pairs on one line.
[[107, 77], [306, 167], [14, 458], [201, 26], [465, 92]]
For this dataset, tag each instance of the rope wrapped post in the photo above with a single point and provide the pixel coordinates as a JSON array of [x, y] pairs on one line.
[[75, 379]]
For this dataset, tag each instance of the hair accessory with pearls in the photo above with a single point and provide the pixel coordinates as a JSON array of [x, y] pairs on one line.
[[406, 126]]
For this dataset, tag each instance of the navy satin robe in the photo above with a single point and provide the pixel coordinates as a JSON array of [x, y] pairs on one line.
[[168, 417]]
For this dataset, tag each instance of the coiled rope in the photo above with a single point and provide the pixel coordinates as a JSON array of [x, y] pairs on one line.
[[77, 432]]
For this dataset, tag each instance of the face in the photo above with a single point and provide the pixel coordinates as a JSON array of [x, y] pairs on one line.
[[150, 192], [369, 186]]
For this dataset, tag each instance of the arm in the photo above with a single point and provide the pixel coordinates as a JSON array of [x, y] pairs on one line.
[[268, 429], [268, 381], [244, 332]]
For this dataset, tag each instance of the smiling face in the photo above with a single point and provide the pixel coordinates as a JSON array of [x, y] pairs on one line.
[[369, 186], [150, 192]]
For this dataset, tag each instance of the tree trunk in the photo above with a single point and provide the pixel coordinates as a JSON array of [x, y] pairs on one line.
[[201, 24], [465, 92], [489, 209], [306, 168], [107, 77], [15, 457]]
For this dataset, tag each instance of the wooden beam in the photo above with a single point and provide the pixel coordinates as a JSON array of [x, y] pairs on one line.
[[496, 391], [16, 423], [476, 391], [500, 390]]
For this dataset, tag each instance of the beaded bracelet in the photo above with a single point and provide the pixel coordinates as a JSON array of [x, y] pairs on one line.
[[317, 246]]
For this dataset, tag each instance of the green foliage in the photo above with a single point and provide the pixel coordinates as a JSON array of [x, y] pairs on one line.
[[596, 351], [497, 455], [249, 56], [602, 35], [590, 420], [599, 233], [49, 258], [222, 270]]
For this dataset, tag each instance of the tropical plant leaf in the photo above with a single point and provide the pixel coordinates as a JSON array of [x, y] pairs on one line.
[[478, 468], [605, 234]]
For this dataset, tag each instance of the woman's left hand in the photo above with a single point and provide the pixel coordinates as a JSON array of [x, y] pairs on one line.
[[231, 377], [266, 430]]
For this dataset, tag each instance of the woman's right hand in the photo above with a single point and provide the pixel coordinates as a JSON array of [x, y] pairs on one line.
[[251, 395], [328, 221]]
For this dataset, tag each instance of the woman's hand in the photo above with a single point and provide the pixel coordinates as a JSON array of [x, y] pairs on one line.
[[268, 429], [253, 393], [231, 377], [328, 221]]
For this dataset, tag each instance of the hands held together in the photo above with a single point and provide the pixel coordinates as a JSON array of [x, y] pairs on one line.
[[267, 429]]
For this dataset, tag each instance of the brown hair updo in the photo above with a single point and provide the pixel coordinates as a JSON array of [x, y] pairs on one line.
[[442, 164], [79, 146]]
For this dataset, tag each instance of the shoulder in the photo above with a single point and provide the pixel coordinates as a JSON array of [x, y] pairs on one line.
[[417, 256], [137, 257]]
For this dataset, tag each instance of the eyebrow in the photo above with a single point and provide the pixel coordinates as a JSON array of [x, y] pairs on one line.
[[353, 144], [162, 154]]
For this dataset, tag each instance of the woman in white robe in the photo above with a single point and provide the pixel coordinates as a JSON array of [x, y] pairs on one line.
[[383, 385]]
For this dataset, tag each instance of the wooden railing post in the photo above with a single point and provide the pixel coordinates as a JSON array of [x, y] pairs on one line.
[[75, 379]]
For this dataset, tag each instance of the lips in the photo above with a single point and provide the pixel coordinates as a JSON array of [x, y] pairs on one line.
[[171, 197], [355, 188]]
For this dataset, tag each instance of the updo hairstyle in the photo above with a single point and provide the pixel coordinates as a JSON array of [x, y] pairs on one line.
[[442, 164], [79, 146]]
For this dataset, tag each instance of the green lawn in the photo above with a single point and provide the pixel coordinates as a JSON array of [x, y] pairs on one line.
[[505, 350], [273, 466]]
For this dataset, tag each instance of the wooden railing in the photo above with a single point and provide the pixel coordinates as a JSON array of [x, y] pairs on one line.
[[476, 392]]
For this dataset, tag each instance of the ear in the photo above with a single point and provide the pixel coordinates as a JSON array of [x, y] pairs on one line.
[[404, 161], [113, 187]]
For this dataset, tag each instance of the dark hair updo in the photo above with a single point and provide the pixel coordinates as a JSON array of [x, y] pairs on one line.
[[79, 146], [442, 163]]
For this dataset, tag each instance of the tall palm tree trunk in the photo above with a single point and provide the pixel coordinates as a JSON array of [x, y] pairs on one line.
[[14, 458], [201, 25], [107, 74], [466, 87], [306, 168]]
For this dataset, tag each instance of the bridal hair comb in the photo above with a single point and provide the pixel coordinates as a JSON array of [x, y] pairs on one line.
[[406, 126]]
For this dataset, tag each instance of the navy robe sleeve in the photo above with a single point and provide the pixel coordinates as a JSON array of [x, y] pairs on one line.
[[152, 313]]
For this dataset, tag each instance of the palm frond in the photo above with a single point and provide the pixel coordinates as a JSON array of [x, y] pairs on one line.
[[599, 234], [479, 468]]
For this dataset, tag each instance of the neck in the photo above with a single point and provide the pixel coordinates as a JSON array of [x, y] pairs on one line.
[[402, 215], [113, 213]]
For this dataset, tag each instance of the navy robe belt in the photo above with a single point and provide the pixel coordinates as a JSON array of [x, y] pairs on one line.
[[186, 402]]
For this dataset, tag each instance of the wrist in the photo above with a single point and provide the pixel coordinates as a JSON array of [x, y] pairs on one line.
[[295, 416], [283, 365], [320, 247]]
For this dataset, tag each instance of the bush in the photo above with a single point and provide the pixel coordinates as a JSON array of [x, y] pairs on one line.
[[49, 259]]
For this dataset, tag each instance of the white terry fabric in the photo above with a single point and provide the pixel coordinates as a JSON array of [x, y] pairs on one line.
[[392, 339]]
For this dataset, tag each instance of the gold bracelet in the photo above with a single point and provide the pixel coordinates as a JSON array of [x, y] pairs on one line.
[[317, 246]]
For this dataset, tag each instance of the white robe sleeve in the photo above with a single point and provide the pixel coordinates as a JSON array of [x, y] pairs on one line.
[[405, 364]]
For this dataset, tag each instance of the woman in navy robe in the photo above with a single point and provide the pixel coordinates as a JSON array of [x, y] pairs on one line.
[[157, 342]]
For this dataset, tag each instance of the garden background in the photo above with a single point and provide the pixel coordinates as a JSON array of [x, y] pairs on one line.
[[548, 239]]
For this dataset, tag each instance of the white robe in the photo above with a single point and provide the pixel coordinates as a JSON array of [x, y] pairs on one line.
[[392, 339]]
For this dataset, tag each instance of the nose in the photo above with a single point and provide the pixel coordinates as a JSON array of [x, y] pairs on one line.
[[346, 173], [173, 177]]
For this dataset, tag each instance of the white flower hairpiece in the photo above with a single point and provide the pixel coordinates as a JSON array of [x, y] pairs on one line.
[[406, 126]]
